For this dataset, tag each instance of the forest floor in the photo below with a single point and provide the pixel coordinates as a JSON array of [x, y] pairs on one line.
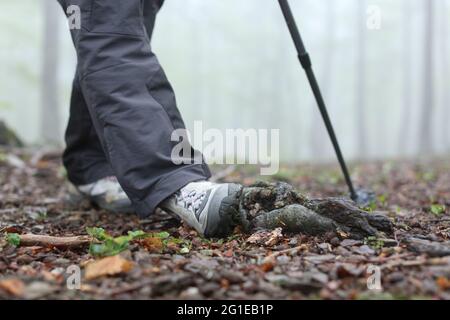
[[176, 263]]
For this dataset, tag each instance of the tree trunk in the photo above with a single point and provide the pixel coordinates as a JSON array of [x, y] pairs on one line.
[[50, 117], [361, 80], [405, 117], [445, 70], [426, 136]]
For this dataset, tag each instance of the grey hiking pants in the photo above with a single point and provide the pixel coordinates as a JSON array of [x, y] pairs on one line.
[[123, 109]]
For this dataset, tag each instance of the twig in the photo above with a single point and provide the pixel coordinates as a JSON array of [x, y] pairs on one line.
[[28, 240]]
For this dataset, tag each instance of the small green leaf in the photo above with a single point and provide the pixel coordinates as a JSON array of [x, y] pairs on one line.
[[136, 234], [98, 233], [13, 239], [97, 249], [437, 209], [108, 245], [108, 248], [162, 235], [374, 242], [382, 199], [120, 241]]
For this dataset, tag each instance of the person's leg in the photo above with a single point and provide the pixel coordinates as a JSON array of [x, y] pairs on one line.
[[131, 103], [151, 8], [84, 158]]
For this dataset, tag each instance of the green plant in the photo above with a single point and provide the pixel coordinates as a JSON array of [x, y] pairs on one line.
[[374, 242], [13, 239], [105, 245], [437, 209], [108, 245]]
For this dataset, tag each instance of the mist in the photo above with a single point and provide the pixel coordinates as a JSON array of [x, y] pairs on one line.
[[382, 66]]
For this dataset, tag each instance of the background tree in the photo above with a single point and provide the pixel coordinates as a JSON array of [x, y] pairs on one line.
[[50, 116], [361, 128], [426, 118], [405, 116], [445, 70]]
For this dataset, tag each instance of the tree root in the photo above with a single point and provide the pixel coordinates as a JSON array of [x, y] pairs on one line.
[[295, 218], [270, 206]]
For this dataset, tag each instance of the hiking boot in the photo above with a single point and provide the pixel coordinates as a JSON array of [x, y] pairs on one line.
[[207, 207], [107, 194]]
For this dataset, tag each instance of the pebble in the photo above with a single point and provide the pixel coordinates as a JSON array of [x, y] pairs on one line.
[[24, 259], [350, 242], [232, 276], [209, 288], [49, 259], [38, 289], [335, 241], [62, 262], [179, 258], [325, 247], [365, 250], [191, 293], [249, 287], [207, 252], [37, 228], [282, 260], [395, 277]]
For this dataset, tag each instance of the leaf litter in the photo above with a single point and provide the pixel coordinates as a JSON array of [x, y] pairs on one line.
[[128, 258]]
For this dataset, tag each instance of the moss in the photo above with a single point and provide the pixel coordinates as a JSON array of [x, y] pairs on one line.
[[295, 218], [8, 137]]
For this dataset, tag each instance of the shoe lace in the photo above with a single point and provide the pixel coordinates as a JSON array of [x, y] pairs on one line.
[[191, 200]]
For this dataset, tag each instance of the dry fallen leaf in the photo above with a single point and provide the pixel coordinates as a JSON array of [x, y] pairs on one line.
[[443, 283], [14, 287], [265, 237], [257, 237], [225, 283], [88, 288], [107, 267], [53, 276], [84, 263], [153, 244], [229, 253], [275, 237], [268, 264], [342, 234]]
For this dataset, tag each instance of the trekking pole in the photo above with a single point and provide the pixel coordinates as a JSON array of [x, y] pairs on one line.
[[305, 61]]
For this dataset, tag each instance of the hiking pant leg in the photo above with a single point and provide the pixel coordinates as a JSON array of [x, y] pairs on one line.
[[84, 157], [130, 101], [151, 8]]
